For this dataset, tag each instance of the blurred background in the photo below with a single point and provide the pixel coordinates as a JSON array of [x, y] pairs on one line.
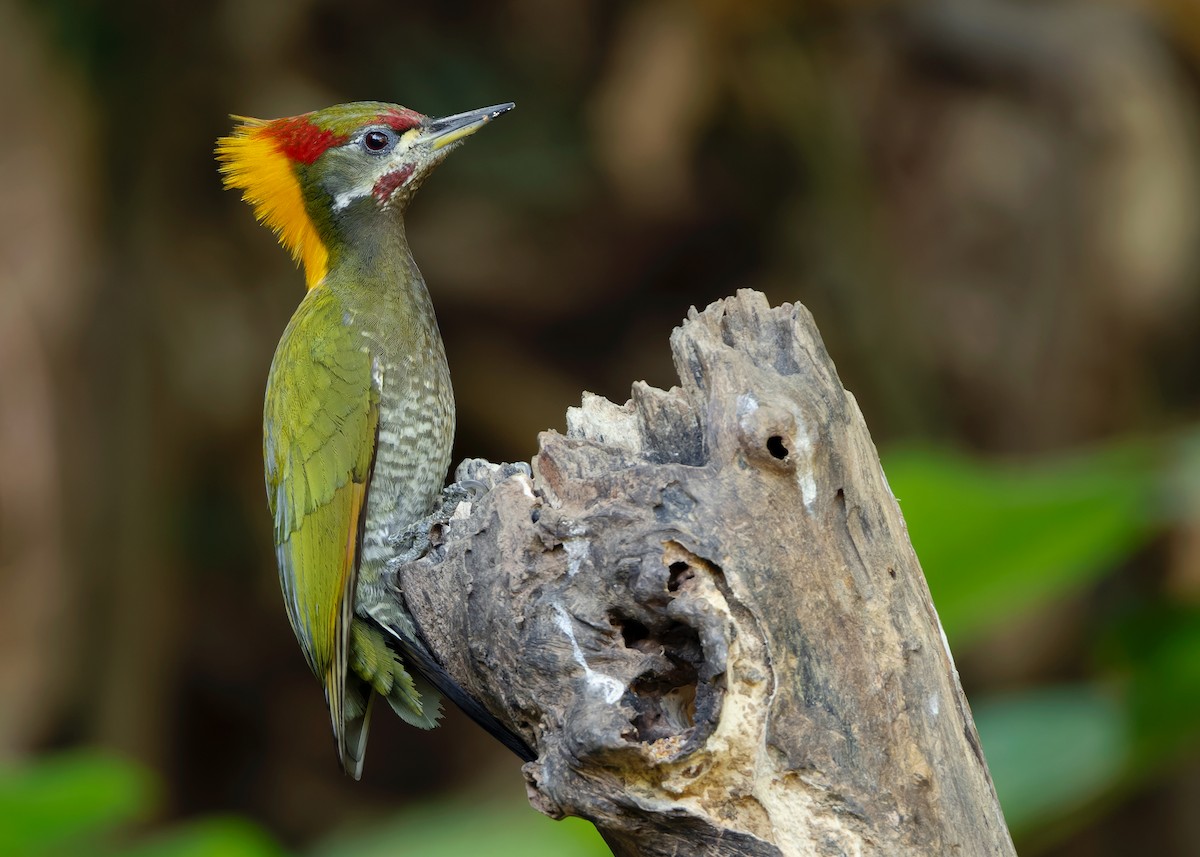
[[990, 206]]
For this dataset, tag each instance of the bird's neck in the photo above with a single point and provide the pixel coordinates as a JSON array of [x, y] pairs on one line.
[[371, 267], [371, 250]]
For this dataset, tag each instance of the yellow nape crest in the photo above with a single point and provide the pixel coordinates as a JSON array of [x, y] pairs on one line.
[[254, 161]]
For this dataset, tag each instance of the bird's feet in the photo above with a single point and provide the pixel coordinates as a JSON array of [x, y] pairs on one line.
[[483, 476], [473, 478]]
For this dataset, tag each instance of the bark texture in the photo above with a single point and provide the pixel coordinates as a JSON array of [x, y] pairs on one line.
[[703, 612]]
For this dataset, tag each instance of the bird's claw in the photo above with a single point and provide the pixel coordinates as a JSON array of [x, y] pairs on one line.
[[474, 488], [474, 478], [480, 471]]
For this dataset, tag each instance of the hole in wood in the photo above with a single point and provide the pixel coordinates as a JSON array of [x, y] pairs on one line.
[[633, 632], [664, 710], [776, 447], [664, 696], [681, 573]]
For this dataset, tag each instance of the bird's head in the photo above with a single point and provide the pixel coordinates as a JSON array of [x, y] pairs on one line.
[[306, 174]]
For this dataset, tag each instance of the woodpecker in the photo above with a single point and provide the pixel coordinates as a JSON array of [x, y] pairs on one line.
[[359, 415]]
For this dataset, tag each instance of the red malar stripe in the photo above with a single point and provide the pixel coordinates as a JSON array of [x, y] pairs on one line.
[[389, 183]]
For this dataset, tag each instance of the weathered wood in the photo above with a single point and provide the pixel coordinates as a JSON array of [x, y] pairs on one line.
[[704, 613]]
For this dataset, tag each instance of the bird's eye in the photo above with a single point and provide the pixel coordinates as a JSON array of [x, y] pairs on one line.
[[377, 142]]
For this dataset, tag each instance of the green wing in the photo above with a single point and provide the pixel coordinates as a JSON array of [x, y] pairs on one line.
[[319, 431]]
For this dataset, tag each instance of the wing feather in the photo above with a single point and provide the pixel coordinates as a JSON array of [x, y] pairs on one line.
[[319, 430]]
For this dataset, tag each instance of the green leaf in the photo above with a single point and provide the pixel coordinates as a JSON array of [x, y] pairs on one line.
[[491, 826], [1052, 750], [996, 540], [70, 798], [1157, 650], [227, 837]]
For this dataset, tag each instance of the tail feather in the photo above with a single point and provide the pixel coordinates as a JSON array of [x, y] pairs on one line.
[[418, 656], [356, 724], [426, 713], [377, 664]]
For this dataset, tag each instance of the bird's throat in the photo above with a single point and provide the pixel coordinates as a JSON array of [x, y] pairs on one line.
[[369, 254]]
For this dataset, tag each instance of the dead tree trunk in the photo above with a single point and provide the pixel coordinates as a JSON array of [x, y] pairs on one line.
[[704, 614]]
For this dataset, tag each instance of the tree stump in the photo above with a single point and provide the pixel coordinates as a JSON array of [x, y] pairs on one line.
[[704, 614]]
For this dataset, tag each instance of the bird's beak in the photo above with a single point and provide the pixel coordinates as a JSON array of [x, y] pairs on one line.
[[447, 130]]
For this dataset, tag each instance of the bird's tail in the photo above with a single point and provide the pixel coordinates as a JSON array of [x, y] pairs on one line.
[[372, 660], [432, 674], [416, 654], [351, 733], [375, 668]]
